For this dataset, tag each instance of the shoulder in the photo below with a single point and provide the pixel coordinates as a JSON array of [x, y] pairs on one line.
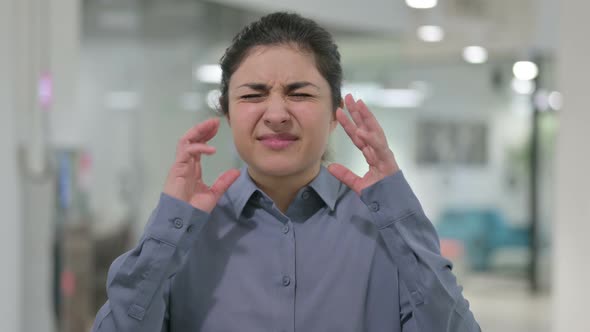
[[349, 205]]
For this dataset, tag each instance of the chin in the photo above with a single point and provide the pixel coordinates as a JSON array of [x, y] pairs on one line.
[[279, 167]]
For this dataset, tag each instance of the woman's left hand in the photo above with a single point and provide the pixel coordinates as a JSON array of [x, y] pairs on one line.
[[368, 136]]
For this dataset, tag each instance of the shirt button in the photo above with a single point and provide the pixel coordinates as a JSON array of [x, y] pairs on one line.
[[305, 194], [374, 206], [286, 229], [178, 223], [189, 229], [286, 281]]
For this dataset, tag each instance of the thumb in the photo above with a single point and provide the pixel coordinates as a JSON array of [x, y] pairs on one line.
[[346, 176], [224, 181]]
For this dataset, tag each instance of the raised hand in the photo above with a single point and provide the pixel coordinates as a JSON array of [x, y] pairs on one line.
[[185, 180], [368, 136]]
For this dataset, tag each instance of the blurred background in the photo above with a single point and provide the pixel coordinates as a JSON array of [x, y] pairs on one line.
[[483, 103]]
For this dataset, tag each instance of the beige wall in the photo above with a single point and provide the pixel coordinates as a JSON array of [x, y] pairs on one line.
[[35, 37], [10, 256], [572, 219]]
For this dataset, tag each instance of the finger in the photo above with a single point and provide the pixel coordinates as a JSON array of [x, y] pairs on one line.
[[369, 119], [349, 102], [353, 108], [201, 132], [374, 140], [357, 118], [224, 181], [350, 128], [193, 150], [370, 156], [379, 145], [346, 176], [181, 169], [378, 154], [372, 125]]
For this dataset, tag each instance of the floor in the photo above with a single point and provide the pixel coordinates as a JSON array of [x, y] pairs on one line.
[[504, 304]]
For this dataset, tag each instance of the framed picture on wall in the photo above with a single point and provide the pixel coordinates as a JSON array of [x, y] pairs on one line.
[[445, 142]]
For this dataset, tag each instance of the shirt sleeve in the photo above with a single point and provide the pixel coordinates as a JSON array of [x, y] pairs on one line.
[[430, 298], [138, 281]]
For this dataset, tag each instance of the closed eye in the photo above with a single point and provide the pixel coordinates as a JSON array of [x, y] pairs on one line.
[[298, 96], [251, 96]]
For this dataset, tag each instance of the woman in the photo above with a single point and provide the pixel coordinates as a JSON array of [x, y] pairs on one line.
[[285, 244]]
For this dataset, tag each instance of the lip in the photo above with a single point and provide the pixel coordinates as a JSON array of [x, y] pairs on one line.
[[277, 141]]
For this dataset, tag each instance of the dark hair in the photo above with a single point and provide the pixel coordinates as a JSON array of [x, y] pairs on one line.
[[283, 28]]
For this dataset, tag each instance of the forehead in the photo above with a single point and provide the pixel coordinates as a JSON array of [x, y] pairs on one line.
[[277, 64]]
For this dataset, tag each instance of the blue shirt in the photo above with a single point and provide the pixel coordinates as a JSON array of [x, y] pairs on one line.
[[334, 262]]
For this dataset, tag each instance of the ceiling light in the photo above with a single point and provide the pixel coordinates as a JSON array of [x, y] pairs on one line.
[[525, 70], [422, 4], [431, 33], [399, 98], [373, 94], [475, 54], [208, 74]]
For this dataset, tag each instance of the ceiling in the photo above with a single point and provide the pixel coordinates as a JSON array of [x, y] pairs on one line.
[[376, 32], [507, 28]]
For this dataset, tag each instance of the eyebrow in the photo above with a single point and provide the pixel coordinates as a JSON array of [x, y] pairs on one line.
[[289, 87]]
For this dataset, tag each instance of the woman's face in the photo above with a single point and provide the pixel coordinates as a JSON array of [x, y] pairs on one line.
[[280, 111]]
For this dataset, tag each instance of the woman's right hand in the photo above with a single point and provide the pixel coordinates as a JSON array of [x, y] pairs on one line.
[[185, 180]]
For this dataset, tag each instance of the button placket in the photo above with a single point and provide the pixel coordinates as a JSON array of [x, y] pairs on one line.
[[286, 276], [286, 281]]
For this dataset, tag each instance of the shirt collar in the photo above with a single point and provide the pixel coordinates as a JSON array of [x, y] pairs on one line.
[[324, 184], [240, 191], [327, 187]]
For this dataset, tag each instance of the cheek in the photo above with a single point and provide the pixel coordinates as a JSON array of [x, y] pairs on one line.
[[243, 118], [319, 127]]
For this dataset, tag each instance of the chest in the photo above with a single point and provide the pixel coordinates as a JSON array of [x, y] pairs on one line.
[[260, 274]]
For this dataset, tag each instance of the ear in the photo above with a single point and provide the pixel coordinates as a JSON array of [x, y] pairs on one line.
[[334, 121], [226, 115], [333, 125], [227, 119]]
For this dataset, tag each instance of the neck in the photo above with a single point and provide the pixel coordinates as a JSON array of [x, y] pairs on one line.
[[283, 189]]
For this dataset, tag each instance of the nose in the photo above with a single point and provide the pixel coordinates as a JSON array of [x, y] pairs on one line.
[[276, 114]]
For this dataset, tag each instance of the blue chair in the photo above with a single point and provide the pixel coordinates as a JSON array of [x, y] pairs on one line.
[[482, 232]]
